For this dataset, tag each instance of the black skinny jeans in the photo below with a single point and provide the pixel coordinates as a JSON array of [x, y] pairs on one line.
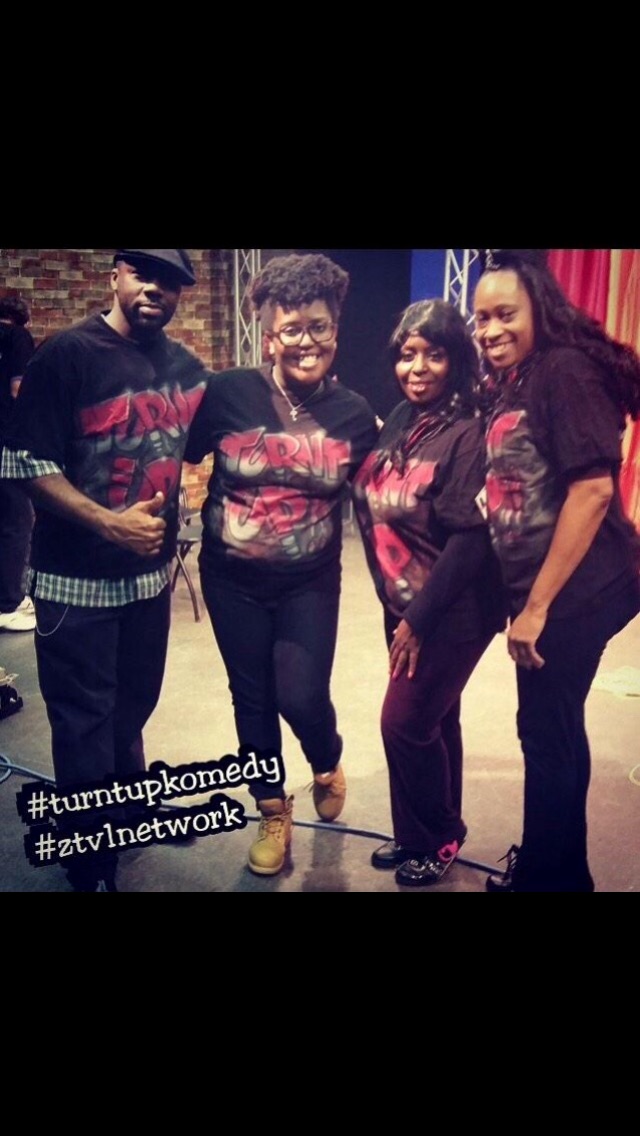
[[278, 654]]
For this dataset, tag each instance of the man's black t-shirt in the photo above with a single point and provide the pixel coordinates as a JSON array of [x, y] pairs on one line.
[[113, 415]]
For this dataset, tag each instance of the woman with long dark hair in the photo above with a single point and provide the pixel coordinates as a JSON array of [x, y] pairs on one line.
[[558, 391], [418, 504]]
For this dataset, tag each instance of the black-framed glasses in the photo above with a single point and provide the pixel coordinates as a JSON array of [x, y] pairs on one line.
[[291, 335]]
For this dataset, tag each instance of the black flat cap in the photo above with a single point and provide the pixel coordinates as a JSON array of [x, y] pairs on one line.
[[176, 259]]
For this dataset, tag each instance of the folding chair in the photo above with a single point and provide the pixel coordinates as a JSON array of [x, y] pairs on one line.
[[189, 535]]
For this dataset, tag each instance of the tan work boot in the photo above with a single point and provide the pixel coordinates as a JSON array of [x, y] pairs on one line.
[[267, 853], [329, 793]]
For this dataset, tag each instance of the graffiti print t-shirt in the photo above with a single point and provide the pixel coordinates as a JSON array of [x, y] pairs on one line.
[[274, 508], [406, 516], [114, 417], [559, 426]]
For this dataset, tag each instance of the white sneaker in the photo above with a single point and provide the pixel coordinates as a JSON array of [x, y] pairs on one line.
[[26, 606], [17, 621]]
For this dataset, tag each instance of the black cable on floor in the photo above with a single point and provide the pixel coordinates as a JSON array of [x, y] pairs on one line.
[[323, 826], [320, 826], [11, 767]]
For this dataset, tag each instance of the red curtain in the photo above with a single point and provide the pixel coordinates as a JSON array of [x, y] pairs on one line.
[[583, 275]]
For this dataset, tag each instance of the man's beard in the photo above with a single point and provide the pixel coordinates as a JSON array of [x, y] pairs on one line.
[[144, 328]]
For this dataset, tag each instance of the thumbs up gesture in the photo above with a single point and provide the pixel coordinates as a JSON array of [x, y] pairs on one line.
[[139, 528]]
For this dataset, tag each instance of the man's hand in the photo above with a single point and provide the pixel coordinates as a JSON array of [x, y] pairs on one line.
[[138, 528]]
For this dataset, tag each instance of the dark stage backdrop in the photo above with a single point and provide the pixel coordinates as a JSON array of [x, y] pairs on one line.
[[380, 290], [427, 274]]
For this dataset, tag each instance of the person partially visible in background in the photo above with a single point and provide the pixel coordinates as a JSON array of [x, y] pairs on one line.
[[16, 511]]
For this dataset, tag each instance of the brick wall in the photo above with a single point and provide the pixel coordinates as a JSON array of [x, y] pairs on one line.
[[63, 286]]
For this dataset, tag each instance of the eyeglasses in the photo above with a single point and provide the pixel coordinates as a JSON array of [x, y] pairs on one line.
[[320, 331]]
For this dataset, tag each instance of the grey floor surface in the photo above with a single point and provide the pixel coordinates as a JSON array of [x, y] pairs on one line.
[[193, 723]]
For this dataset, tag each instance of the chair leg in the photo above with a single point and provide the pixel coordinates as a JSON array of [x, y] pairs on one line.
[[192, 591]]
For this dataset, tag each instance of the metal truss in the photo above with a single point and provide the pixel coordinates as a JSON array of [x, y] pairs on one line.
[[456, 277], [248, 339]]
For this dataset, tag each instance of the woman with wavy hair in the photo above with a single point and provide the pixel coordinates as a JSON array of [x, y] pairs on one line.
[[558, 390], [418, 504]]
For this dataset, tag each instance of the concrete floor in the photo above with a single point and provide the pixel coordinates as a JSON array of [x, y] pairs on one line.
[[194, 723]]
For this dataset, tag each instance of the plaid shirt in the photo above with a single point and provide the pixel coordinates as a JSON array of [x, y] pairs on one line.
[[21, 465]]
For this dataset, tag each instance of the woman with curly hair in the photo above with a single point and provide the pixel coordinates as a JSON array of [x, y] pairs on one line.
[[429, 552], [286, 438], [560, 389]]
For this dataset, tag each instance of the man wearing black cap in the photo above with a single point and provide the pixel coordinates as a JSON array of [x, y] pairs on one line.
[[100, 429]]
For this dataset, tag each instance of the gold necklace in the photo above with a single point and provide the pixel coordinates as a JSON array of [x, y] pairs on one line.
[[294, 407]]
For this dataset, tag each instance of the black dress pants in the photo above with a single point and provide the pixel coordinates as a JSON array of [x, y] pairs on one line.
[[551, 728], [16, 524], [100, 672]]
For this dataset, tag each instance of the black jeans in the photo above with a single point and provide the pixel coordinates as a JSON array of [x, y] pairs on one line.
[[16, 523], [557, 760], [278, 654], [100, 672]]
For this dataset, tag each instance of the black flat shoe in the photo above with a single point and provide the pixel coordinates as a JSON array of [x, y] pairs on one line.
[[424, 870], [504, 881], [94, 877], [106, 885], [390, 855], [93, 884]]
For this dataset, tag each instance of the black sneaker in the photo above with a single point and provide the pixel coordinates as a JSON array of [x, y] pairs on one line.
[[10, 700], [425, 870], [504, 881]]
